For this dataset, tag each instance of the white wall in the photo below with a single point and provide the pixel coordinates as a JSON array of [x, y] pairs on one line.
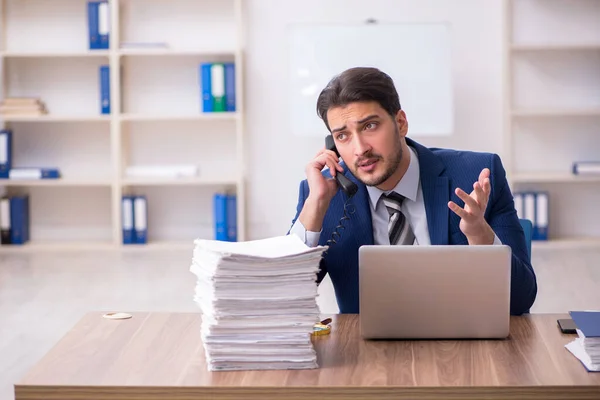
[[276, 159]]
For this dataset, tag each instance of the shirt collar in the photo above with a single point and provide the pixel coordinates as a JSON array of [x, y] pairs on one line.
[[408, 185]]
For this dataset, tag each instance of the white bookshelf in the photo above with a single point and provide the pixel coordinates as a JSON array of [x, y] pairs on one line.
[[552, 111], [156, 119]]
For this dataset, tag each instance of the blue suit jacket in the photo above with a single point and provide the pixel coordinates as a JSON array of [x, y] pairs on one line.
[[441, 172]]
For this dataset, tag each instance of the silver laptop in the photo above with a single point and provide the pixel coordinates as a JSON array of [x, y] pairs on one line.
[[434, 292]]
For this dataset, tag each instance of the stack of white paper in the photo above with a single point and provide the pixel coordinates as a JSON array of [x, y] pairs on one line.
[[587, 350], [587, 346], [258, 302]]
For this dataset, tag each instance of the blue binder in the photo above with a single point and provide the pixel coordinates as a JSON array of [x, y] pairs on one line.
[[104, 89], [206, 87], [127, 220], [5, 230], [92, 13], [229, 86], [232, 218], [140, 219], [98, 25], [5, 152], [220, 216], [542, 214], [34, 173], [19, 219]]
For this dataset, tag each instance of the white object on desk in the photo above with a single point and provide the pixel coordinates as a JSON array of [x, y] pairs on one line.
[[415, 56]]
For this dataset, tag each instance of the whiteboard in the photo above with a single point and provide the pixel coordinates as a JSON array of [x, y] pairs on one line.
[[416, 56]]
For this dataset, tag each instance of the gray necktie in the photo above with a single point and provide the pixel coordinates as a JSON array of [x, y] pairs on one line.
[[399, 230]]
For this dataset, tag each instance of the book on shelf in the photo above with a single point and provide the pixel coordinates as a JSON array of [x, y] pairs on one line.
[[23, 107], [534, 206], [217, 81], [98, 14], [14, 220]]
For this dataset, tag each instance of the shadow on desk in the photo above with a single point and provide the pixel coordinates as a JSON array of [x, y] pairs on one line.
[[159, 355]]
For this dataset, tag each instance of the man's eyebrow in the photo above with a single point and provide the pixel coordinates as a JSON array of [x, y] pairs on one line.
[[338, 129], [365, 119]]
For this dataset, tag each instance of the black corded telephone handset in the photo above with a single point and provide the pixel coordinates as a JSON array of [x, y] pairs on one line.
[[346, 184], [349, 187]]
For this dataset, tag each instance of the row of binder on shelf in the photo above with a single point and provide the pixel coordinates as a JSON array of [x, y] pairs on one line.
[[98, 25], [134, 217], [7, 171], [217, 82], [14, 220], [98, 14], [534, 207]]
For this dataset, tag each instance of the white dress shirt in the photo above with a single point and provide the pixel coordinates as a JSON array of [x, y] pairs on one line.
[[413, 207]]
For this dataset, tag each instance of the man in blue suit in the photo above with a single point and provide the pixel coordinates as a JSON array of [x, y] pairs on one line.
[[407, 194]]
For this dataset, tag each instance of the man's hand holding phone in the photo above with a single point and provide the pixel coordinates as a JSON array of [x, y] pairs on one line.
[[322, 189]]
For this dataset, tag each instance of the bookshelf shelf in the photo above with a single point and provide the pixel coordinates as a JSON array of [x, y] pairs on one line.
[[37, 246], [57, 54], [552, 112], [556, 47], [175, 52], [558, 112], [179, 182], [549, 177], [56, 118], [156, 119], [62, 182], [567, 243], [225, 116]]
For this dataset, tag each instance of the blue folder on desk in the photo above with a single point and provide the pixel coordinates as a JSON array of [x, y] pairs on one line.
[[588, 322]]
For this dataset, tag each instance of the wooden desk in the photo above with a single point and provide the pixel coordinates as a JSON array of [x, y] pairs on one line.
[[160, 356]]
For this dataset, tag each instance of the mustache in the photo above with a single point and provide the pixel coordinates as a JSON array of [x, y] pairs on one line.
[[366, 157]]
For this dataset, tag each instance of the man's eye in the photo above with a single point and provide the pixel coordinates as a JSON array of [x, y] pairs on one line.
[[371, 125], [341, 136]]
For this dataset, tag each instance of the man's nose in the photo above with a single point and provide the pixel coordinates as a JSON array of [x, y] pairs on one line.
[[360, 145]]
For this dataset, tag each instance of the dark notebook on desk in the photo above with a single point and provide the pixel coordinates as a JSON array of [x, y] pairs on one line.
[[587, 346]]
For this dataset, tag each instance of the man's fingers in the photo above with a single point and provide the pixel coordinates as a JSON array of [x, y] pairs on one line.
[[479, 193], [458, 210], [485, 173], [331, 162], [470, 201]]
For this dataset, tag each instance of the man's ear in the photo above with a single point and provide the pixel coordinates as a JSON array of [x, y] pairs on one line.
[[402, 122]]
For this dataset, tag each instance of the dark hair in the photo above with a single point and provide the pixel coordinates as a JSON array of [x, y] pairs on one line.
[[359, 84]]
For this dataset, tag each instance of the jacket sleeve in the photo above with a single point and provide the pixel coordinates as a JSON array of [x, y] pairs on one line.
[[503, 219], [302, 195]]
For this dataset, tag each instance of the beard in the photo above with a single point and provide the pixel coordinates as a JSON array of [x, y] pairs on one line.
[[393, 163]]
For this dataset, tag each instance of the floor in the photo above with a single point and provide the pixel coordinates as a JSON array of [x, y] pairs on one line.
[[42, 295]]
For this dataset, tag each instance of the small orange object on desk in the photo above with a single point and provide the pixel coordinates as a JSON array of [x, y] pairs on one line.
[[322, 328]]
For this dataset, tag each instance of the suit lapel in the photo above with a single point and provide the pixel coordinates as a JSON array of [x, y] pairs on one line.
[[436, 193]]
